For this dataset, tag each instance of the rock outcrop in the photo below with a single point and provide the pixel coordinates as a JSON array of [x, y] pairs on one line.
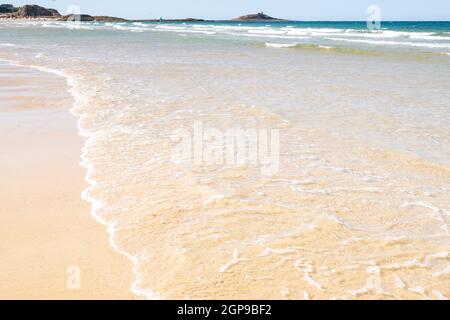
[[35, 11], [88, 18], [257, 17]]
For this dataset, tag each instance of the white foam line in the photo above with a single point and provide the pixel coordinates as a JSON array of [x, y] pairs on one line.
[[280, 45], [96, 204], [394, 43]]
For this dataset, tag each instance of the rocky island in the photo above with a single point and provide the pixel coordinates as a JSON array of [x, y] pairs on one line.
[[89, 18], [8, 11], [171, 20], [257, 17]]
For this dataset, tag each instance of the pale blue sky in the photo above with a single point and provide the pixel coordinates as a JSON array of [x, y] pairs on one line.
[[224, 9]]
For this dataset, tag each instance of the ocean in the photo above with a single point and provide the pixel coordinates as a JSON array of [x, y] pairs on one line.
[[274, 160]]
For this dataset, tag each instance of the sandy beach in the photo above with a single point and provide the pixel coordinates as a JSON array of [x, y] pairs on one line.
[[225, 160], [47, 232]]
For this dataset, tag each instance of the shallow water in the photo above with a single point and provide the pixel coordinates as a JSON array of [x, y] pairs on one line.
[[356, 206]]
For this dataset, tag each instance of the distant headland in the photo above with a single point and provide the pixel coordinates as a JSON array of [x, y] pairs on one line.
[[27, 11], [8, 11]]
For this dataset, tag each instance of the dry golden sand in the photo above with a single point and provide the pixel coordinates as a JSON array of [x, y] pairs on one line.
[[45, 227]]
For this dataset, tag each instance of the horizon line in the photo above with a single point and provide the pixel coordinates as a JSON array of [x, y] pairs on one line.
[[236, 19]]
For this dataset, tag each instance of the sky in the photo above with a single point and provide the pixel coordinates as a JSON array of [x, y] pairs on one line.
[[225, 9]]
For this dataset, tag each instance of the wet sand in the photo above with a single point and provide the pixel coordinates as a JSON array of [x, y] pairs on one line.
[[47, 233]]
